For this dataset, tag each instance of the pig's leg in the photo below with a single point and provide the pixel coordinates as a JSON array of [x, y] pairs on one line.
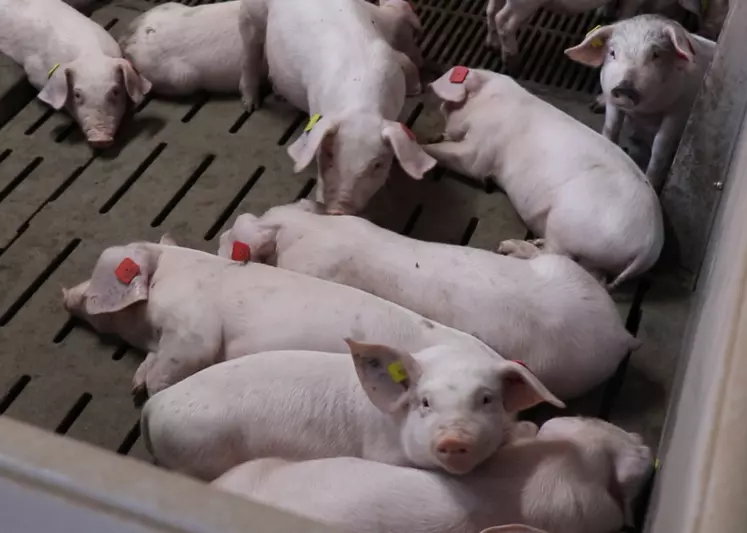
[[412, 75], [518, 249], [507, 24], [139, 390], [179, 357], [665, 146], [613, 122], [251, 27], [491, 11], [456, 156]]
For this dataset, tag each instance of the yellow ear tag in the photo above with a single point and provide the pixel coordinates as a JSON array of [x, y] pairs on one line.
[[397, 371], [312, 121], [52, 70], [595, 43], [657, 464]]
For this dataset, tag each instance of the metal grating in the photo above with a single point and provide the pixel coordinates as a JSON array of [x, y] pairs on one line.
[[190, 166]]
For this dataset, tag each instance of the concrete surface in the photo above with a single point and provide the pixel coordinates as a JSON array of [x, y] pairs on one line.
[[190, 167]]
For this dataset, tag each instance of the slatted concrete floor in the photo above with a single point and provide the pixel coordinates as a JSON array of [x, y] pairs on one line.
[[190, 167]]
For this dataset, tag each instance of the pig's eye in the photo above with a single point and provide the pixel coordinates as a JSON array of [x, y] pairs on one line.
[[487, 399], [78, 96], [114, 92], [612, 53], [424, 403], [654, 55]]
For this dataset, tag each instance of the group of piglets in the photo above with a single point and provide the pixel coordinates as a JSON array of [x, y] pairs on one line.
[[338, 370]]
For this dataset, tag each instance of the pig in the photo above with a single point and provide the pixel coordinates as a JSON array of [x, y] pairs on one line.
[[576, 476], [436, 408], [505, 17], [573, 188], [652, 69], [74, 62], [182, 49], [189, 309], [546, 311], [327, 58]]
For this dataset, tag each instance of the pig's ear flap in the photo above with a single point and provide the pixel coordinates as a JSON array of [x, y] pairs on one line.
[[681, 42], [386, 374], [120, 279], [449, 91], [135, 84], [693, 6], [56, 91], [593, 48], [248, 240], [632, 466], [522, 389], [303, 150], [411, 156], [512, 528]]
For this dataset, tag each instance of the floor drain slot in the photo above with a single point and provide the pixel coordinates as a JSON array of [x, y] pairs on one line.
[[65, 330], [72, 415], [39, 122], [130, 181], [412, 220], [130, 439], [288, 133], [469, 231], [228, 211], [4, 154], [307, 188], [14, 392], [25, 173], [183, 190]]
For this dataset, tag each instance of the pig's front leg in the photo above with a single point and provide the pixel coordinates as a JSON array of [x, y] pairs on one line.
[[491, 11], [252, 21], [458, 156], [613, 123], [178, 357], [665, 146], [519, 249], [139, 388]]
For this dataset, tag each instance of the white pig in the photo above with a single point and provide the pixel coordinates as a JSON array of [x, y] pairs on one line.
[[74, 61], [569, 184], [652, 69], [434, 408], [326, 57], [506, 17], [576, 476], [190, 309], [183, 49], [547, 311]]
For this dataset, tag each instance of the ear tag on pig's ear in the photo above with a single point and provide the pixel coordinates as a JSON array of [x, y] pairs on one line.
[[241, 252], [516, 379], [409, 132], [312, 122], [52, 70], [597, 42], [657, 464], [127, 271], [458, 74], [397, 371]]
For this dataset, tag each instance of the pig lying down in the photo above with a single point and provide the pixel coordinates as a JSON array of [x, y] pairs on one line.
[[547, 311], [435, 408], [576, 476], [571, 186], [74, 61], [182, 49], [189, 309], [651, 73], [351, 82]]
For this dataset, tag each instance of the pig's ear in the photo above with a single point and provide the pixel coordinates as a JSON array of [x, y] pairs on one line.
[[450, 91], [303, 150], [120, 279], [411, 156], [386, 374], [693, 6], [522, 389], [167, 240], [135, 84], [512, 528], [632, 466], [593, 48], [55, 92], [681, 42]]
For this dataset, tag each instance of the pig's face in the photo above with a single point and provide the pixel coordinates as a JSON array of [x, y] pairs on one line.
[[95, 92], [354, 156], [645, 61], [454, 409]]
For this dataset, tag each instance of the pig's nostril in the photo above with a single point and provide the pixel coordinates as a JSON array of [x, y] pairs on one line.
[[100, 143], [453, 448]]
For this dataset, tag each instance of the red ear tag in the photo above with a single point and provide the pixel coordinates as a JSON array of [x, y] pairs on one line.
[[409, 132], [458, 74], [241, 252], [127, 270], [516, 379], [522, 363]]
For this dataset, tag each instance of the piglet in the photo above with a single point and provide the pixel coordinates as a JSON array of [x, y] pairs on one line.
[[327, 57], [437, 408], [652, 69], [189, 309], [577, 475], [185, 49], [546, 311], [571, 186], [75, 63]]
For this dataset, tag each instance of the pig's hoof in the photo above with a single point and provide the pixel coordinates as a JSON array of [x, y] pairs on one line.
[[538, 243], [139, 395], [518, 249]]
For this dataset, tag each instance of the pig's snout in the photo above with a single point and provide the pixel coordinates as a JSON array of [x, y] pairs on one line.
[[99, 140], [455, 453], [626, 90]]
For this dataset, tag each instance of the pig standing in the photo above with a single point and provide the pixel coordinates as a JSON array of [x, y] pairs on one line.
[[189, 309], [436, 408], [326, 57], [577, 476], [652, 69], [547, 311], [570, 185], [183, 49], [75, 63]]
